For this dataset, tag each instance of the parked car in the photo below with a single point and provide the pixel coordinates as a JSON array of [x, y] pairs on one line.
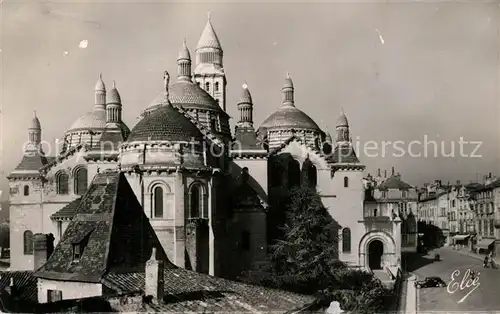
[[430, 282]]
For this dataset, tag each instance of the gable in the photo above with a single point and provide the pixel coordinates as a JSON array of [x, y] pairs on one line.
[[112, 229], [301, 152]]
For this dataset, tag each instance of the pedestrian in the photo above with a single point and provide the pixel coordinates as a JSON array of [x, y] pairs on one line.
[[485, 263]]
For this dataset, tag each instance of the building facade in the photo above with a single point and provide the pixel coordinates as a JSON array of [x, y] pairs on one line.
[[209, 194]]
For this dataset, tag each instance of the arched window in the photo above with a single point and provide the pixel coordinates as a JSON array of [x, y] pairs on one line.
[[196, 202], [62, 183], [26, 190], [158, 202], [28, 242], [81, 181], [207, 86], [216, 86], [346, 240], [293, 173], [245, 240], [346, 182]]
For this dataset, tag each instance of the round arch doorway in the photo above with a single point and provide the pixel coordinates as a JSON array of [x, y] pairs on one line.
[[375, 252]]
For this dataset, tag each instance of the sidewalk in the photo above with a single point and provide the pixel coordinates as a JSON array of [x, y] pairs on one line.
[[466, 251], [408, 303]]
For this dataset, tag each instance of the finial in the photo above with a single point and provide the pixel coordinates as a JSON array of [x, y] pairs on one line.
[[153, 255], [114, 84], [100, 76], [34, 113], [245, 85], [209, 15], [287, 75], [342, 111], [184, 42]]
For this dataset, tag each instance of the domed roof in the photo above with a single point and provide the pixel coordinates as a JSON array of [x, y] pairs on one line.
[[35, 123], [184, 52], [90, 120], [245, 95], [114, 96], [99, 85], [165, 124], [289, 117], [208, 38], [188, 95], [342, 120]]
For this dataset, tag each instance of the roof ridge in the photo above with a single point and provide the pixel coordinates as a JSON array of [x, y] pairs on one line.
[[112, 213]]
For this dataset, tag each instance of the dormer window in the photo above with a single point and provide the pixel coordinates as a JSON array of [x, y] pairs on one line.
[[77, 252]]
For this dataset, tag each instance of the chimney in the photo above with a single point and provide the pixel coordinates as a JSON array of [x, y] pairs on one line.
[[378, 172], [154, 278], [43, 245], [458, 182], [489, 175], [392, 170], [385, 173], [399, 175]]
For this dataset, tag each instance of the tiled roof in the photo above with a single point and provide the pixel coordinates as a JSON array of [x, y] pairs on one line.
[[246, 138], [24, 282], [94, 120], [30, 165], [344, 154], [113, 230], [165, 124], [188, 95], [208, 38], [394, 182], [289, 117], [68, 211], [186, 290]]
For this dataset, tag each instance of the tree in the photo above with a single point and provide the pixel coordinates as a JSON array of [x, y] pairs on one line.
[[305, 259], [306, 256]]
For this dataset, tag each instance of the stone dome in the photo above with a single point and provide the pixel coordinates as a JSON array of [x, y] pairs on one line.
[[91, 120], [114, 96], [289, 117], [35, 123], [188, 95], [99, 85], [342, 120], [245, 97], [165, 124]]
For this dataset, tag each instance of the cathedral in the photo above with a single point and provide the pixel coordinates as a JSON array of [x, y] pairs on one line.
[[209, 193]]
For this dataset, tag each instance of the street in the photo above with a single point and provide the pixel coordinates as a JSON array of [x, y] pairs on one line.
[[484, 298]]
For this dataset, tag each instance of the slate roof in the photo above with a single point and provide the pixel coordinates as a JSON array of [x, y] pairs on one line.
[[187, 290], [393, 182], [113, 230], [165, 124], [24, 282], [68, 211]]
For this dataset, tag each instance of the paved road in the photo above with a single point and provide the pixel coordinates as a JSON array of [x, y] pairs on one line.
[[485, 297]]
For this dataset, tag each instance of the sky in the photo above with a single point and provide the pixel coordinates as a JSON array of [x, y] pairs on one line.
[[401, 71]]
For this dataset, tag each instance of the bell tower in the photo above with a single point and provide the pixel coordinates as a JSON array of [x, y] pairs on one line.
[[209, 71]]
